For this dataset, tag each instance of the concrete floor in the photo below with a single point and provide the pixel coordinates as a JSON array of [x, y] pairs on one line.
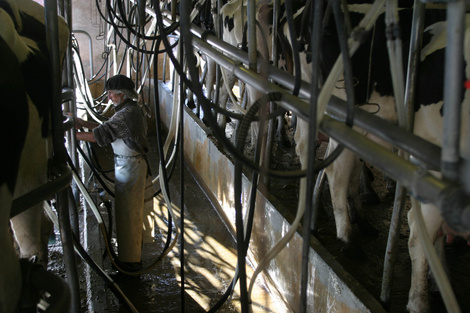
[[209, 260]]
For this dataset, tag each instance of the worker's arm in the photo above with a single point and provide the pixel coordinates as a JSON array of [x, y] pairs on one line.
[[86, 136], [79, 123]]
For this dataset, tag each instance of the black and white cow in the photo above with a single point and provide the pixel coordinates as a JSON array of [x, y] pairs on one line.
[[234, 25], [234, 21], [25, 90], [371, 71]]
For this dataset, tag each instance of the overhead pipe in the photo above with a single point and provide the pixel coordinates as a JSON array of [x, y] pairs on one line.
[[386, 131]]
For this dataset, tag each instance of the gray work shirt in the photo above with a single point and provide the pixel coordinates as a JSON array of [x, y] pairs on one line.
[[127, 124]]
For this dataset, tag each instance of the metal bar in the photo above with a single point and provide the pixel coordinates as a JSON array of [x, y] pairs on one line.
[[453, 89], [421, 149], [60, 154], [43, 193], [398, 204], [413, 60]]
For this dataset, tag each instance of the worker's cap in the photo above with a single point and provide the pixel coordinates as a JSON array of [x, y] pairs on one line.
[[120, 82]]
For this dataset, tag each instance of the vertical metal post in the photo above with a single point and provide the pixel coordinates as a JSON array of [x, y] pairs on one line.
[[453, 89], [397, 214], [70, 106], [60, 154]]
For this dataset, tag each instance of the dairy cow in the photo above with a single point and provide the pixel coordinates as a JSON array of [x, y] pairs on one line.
[[373, 88], [25, 90], [234, 26]]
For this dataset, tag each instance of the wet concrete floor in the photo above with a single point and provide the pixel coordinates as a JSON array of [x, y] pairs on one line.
[[209, 259]]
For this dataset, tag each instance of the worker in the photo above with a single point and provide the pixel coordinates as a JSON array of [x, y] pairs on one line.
[[126, 131]]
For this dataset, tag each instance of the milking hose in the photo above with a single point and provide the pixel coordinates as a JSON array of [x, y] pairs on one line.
[[86, 257], [437, 269]]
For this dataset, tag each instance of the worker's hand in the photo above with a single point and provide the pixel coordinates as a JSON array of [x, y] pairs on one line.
[[79, 123]]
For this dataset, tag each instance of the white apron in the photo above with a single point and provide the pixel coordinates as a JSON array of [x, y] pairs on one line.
[[130, 171]]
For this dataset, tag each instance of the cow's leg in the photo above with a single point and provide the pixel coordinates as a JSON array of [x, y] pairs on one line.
[[282, 138], [229, 81], [357, 211], [210, 77], [32, 229], [368, 194], [418, 296], [339, 174]]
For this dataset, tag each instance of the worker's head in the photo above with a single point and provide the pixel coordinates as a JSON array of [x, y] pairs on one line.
[[120, 88]]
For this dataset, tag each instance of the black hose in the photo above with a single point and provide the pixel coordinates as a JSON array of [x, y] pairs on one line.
[[163, 33], [93, 169], [102, 274]]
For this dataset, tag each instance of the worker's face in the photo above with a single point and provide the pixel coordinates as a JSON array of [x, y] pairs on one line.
[[116, 98]]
